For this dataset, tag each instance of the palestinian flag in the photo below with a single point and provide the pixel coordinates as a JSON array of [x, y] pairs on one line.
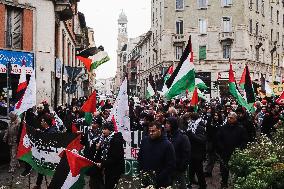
[[194, 100], [201, 95], [102, 103], [98, 59], [183, 76], [86, 61], [162, 87], [150, 91], [200, 84], [70, 171], [243, 79], [29, 98], [234, 91], [248, 87], [169, 72], [22, 86], [280, 100], [42, 150], [151, 87], [89, 107]]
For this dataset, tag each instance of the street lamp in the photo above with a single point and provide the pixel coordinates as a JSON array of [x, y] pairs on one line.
[[8, 69]]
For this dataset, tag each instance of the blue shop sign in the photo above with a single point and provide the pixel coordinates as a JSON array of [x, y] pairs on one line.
[[16, 59]]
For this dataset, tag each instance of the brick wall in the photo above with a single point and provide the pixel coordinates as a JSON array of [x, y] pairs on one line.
[[2, 24], [27, 30]]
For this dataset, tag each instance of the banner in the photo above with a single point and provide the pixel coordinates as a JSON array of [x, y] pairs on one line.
[[16, 58]]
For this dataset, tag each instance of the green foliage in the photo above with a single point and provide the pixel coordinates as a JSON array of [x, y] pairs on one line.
[[261, 164]]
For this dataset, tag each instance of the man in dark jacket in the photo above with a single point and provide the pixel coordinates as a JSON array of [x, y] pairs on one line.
[[157, 154], [182, 150], [246, 122], [229, 137], [112, 155], [197, 138]]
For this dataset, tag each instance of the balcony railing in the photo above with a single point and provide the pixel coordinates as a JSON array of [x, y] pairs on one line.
[[133, 70], [178, 38], [132, 82], [224, 36]]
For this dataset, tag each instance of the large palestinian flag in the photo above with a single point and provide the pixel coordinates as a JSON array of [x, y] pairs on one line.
[[183, 76], [70, 172], [43, 150], [234, 91]]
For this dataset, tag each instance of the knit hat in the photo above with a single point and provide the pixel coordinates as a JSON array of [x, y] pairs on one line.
[[108, 125]]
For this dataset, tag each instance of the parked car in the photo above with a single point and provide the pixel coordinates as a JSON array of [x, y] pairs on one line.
[[4, 154]]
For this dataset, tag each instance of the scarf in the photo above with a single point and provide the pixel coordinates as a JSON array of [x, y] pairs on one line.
[[193, 125], [105, 146]]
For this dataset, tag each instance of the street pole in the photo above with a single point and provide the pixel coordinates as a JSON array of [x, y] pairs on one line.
[[8, 87]]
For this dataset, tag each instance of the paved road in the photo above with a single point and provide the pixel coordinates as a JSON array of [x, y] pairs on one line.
[[14, 181]]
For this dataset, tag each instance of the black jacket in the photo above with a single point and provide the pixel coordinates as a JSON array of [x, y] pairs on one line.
[[229, 138], [114, 163], [159, 156], [198, 142], [182, 149]]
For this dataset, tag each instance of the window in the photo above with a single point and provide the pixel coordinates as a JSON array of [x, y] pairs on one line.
[[124, 58], [179, 4], [226, 50], [271, 14], [262, 7], [250, 4], [277, 36], [227, 24], [277, 16], [271, 35], [250, 26], [257, 53], [256, 5], [178, 52], [179, 27], [226, 3], [202, 26], [202, 4], [202, 52], [256, 29], [14, 32]]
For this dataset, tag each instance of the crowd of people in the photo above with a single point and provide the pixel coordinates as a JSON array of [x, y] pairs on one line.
[[177, 140]]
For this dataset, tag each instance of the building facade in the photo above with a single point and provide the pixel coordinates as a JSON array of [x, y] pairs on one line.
[[45, 36], [247, 32]]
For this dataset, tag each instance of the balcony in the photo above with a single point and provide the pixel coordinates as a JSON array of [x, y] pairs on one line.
[[226, 36], [178, 38], [63, 8], [132, 82], [133, 70]]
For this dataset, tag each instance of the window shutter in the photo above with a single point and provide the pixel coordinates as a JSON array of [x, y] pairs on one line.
[[28, 30], [202, 52]]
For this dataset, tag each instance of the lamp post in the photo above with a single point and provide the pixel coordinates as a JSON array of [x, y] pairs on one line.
[[8, 68]]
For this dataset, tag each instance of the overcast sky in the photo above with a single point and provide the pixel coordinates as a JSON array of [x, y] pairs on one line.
[[102, 15]]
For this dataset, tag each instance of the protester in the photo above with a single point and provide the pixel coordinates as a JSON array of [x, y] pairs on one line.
[[11, 137], [182, 151], [46, 124], [112, 155], [230, 136], [157, 155], [197, 138]]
